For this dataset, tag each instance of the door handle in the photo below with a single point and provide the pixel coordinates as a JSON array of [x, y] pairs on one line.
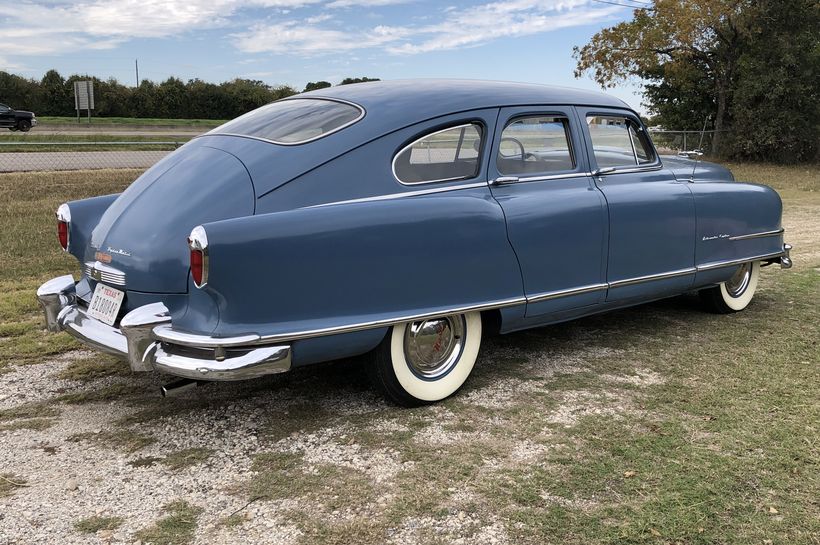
[[505, 180]]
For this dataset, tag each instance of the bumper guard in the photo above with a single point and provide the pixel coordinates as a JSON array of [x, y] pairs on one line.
[[146, 339]]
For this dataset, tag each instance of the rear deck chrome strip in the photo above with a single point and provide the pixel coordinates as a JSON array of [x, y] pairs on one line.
[[762, 234]]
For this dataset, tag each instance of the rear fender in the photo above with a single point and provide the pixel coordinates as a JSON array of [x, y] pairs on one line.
[[85, 214], [342, 265]]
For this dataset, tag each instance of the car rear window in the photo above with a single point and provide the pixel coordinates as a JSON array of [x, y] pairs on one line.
[[294, 121]]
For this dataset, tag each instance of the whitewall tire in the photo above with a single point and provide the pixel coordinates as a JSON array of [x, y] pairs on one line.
[[428, 360], [736, 293]]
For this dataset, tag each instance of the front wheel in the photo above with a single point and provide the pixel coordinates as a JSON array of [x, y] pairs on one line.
[[428, 360], [24, 125], [736, 293]]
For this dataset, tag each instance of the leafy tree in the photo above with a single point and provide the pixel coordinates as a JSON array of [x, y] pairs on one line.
[[729, 59], [348, 81], [314, 85]]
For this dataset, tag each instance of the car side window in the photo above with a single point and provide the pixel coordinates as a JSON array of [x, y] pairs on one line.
[[535, 145], [618, 141], [444, 155], [4, 108]]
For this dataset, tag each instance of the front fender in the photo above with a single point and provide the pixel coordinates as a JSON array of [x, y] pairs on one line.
[[357, 263]]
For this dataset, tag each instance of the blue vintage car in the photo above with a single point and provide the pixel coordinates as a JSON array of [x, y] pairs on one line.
[[402, 220]]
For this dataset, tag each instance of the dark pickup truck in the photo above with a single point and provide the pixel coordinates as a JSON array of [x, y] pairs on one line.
[[16, 120]]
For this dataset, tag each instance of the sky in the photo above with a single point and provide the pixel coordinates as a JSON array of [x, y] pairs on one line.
[[292, 42]]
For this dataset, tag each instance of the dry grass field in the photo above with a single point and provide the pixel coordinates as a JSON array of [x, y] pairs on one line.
[[659, 424]]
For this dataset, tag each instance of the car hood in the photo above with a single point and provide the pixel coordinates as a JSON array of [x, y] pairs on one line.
[[24, 113], [145, 230]]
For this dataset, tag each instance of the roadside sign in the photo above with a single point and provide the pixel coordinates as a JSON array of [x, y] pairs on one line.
[[84, 97]]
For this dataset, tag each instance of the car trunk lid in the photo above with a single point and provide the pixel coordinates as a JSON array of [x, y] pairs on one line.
[[143, 233]]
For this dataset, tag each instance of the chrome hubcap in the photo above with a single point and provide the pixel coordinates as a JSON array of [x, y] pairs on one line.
[[432, 347], [740, 280]]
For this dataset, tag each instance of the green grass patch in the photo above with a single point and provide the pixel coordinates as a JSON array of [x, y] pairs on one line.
[[34, 424], [188, 457], [94, 368], [40, 409], [92, 525], [97, 395], [175, 529]]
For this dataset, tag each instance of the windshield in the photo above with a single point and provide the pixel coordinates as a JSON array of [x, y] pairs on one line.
[[294, 121]]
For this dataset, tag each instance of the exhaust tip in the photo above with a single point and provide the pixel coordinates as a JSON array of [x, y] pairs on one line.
[[178, 387]]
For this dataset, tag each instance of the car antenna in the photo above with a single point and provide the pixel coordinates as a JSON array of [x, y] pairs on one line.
[[698, 153]]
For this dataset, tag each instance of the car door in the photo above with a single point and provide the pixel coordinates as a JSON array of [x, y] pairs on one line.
[[556, 218], [651, 213], [6, 116]]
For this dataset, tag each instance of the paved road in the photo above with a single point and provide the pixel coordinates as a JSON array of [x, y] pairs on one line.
[[37, 132], [78, 160]]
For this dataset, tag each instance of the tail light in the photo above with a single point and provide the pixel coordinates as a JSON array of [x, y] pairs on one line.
[[198, 244], [63, 225]]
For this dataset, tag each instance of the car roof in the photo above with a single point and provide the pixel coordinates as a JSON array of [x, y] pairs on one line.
[[408, 101]]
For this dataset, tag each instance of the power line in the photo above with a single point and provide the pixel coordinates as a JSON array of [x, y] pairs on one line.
[[631, 6]]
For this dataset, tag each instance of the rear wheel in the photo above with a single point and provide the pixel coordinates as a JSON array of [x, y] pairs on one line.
[[24, 125], [428, 360], [736, 293]]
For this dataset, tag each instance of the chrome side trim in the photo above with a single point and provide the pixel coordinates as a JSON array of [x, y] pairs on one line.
[[391, 196], [417, 140], [651, 277], [732, 262], [546, 296], [101, 272], [390, 321], [361, 109], [762, 234], [166, 334]]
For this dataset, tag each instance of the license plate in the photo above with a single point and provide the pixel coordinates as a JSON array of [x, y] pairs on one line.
[[105, 304]]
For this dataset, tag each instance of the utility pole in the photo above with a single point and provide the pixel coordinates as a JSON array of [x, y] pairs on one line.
[[137, 70]]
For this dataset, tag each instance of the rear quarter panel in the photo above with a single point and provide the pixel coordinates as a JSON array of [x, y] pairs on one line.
[[353, 263]]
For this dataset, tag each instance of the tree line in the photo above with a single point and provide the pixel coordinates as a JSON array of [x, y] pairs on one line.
[[53, 95], [749, 67]]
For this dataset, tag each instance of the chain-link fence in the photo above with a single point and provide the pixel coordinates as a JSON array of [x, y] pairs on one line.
[[48, 156], [30, 155], [668, 141]]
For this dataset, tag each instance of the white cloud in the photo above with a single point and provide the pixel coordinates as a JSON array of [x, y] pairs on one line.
[[65, 26], [458, 28]]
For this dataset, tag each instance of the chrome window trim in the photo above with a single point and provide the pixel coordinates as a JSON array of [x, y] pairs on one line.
[[392, 196], [571, 148], [413, 143], [761, 234], [649, 168], [554, 177], [362, 113], [657, 164]]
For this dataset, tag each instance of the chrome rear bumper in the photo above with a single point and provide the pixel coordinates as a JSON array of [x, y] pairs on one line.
[[146, 339]]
